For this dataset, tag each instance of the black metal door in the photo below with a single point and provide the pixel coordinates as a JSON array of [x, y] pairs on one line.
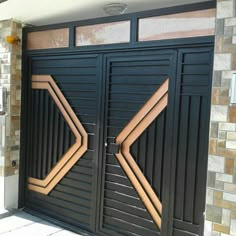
[[118, 142], [63, 138]]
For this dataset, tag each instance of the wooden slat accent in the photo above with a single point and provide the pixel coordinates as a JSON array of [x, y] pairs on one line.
[[143, 112], [144, 117], [60, 174], [75, 152], [49, 79]]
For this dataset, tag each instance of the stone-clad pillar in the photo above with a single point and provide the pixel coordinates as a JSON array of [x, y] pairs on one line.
[[221, 189], [10, 77]]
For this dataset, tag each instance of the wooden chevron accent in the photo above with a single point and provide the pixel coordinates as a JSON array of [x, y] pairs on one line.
[[75, 152], [143, 118]]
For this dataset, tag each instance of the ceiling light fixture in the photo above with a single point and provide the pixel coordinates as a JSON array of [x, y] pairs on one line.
[[113, 9], [1, 1]]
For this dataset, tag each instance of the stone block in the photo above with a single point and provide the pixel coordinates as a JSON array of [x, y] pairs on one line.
[[214, 233], [214, 214], [233, 227], [227, 126], [222, 134], [215, 96], [229, 197], [209, 197], [228, 30], [222, 61], [211, 179], [214, 130], [216, 78], [212, 146], [221, 228], [219, 113], [230, 188], [207, 228], [219, 185], [230, 21], [216, 164], [224, 9], [228, 74], [231, 135], [231, 144], [234, 40], [219, 30], [224, 177], [231, 153], [232, 114], [226, 217], [221, 143], [229, 166], [219, 44]]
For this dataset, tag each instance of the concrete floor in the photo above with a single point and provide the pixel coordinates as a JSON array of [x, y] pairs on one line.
[[21, 223]]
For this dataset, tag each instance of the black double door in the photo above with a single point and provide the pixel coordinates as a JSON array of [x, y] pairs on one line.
[[117, 142]]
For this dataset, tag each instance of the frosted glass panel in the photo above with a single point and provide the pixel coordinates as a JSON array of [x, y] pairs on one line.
[[108, 33], [58, 38], [181, 25]]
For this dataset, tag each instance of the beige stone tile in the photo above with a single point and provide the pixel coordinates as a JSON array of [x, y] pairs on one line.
[[222, 61], [221, 143], [230, 187], [233, 227], [219, 113], [209, 196], [232, 114], [229, 197], [231, 145], [231, 135], [230, 21], [227, 126], [229, 166], [226, 152], [216, 163], [212, 146], [226, 217], [221, 228], [224, 177], [225, 9]]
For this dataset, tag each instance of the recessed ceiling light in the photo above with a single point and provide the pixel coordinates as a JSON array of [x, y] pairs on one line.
[[115, 8]]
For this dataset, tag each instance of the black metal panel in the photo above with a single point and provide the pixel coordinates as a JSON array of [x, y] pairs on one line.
[[130, 78], [131, 81], [191, 133], [72, 200], [49, 143], [148, 151]]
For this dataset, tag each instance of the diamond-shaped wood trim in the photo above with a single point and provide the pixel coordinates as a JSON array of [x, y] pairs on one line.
[[145, 116], [75, 152]]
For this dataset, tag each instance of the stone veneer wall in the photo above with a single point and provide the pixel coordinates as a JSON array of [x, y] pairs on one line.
[[221, 190], [10, 77]]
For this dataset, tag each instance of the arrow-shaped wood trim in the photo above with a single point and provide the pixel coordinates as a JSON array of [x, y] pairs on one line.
[[75, 152], [144, 117]]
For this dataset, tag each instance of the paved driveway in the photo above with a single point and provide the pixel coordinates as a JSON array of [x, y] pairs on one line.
[[23, 224]]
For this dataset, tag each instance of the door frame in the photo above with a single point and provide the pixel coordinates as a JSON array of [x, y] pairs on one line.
[[193, 42]]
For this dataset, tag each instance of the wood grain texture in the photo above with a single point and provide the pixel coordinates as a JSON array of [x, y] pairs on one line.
[[75, 152], [143, 118]]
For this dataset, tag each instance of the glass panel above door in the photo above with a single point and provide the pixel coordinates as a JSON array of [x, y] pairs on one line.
[[180, 25], [106, 33], [56, 38]]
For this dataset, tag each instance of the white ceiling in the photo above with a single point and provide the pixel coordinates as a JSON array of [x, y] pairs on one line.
[[42, 12]]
